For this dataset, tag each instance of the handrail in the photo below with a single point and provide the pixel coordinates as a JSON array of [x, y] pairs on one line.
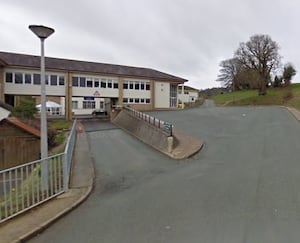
[[162, 125]]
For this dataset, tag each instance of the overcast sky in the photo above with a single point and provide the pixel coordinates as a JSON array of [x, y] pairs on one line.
[[186, 38]]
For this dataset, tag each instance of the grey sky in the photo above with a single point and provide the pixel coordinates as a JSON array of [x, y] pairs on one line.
[[187, 38]]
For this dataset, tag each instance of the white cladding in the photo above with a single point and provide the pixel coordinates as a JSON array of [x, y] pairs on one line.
[[162, 95], [96, 92], [188, 96]]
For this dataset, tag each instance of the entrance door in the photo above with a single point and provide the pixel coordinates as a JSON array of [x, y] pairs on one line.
[[173, 95]]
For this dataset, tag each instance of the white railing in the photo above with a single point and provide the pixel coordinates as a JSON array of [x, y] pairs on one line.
[[21, 186]]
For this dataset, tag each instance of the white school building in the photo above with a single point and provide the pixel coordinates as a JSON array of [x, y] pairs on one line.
[[81, 87]]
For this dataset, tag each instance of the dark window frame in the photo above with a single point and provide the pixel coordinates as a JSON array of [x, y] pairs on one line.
[[53, 80], [27, 78], [37, 79], [17, 79], [9, 77]]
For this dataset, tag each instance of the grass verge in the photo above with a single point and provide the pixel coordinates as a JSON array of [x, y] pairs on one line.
[[288, 96]]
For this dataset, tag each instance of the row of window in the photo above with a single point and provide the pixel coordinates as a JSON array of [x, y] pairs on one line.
[[136, 101], [91, 104], [55, 80], [137, 85], [94, 82], [34, 78], [86, 104]]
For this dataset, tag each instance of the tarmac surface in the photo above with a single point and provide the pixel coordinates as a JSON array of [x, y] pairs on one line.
[[243, 186], [26, 225]]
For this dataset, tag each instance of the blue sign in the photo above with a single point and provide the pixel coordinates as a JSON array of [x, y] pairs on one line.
[[88, 98]]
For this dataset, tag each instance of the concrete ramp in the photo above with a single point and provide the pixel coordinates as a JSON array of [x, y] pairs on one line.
[[183, 146], [142, 130]]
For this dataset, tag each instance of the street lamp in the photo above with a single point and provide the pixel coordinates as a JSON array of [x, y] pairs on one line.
[[43, 32]]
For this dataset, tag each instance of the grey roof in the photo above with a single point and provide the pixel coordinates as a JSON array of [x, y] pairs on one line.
[[29, 61], [3, 113]]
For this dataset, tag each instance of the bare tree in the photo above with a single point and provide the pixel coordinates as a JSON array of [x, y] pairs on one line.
[[260, 54], [228, 73]]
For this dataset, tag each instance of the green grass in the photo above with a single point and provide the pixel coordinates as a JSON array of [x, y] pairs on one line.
[[60, 138], [61, 128], [275, 96], [29, 191], [60, 124]]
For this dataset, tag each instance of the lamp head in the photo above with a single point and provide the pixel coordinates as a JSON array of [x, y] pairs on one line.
[[41, 31]]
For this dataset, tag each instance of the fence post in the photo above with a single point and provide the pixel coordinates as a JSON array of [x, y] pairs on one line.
[[66, 173]]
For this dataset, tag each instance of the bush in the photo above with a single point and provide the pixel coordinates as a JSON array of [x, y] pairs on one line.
[[26, 109], [51, 136]]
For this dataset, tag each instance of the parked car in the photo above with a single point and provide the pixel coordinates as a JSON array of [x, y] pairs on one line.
[[99, 112]]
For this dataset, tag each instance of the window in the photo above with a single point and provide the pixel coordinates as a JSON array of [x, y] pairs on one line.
[[109, 83], [36, 79], [8, 77], [102, 105], [137, 85], [75, 81], [125, 85], [89, 83], [103, 83], [96, 83], [143, 101], [74, 104], [27, 78], [147, 101], [116, 85], [82, 81], [131, 100], [130, 85], [61, 80], [88, 104], [18, 78], [147, 86], [125, 100], [173, 95], [47, 79], [136, 100], [142, 85], [53, 80]]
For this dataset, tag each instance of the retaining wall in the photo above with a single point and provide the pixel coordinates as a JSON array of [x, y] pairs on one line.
[[142, 130]]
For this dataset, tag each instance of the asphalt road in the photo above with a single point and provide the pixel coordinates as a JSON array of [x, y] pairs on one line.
[[242, 187]]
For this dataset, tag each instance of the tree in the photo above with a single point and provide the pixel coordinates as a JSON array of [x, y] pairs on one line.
[[236, 76], [248, 78], [26, 109], [288, 72], [260, 55], [229, 70], [277, 81]]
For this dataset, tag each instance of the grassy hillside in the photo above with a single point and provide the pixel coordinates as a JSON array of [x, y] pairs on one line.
[[275, 96]]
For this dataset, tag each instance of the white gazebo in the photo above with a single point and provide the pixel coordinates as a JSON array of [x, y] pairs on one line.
[[53, 108]]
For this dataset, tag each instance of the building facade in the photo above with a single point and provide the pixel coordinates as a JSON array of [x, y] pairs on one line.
[[85, 86], [189, 94]]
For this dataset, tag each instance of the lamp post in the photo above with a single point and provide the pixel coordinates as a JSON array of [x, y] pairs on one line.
[[43, 32]]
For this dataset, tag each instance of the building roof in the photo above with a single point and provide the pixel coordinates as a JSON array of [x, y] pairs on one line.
[[29, 61], [3, 113], [186, 87], [16, 122]]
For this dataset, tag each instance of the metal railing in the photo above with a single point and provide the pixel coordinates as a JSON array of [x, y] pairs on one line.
[[163, 125], [21, 187], [68, 155]]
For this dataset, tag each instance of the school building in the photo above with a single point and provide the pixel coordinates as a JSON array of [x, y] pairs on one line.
[[81, 87]]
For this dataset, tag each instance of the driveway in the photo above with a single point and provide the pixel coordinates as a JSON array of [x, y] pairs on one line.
[[242, 187]]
